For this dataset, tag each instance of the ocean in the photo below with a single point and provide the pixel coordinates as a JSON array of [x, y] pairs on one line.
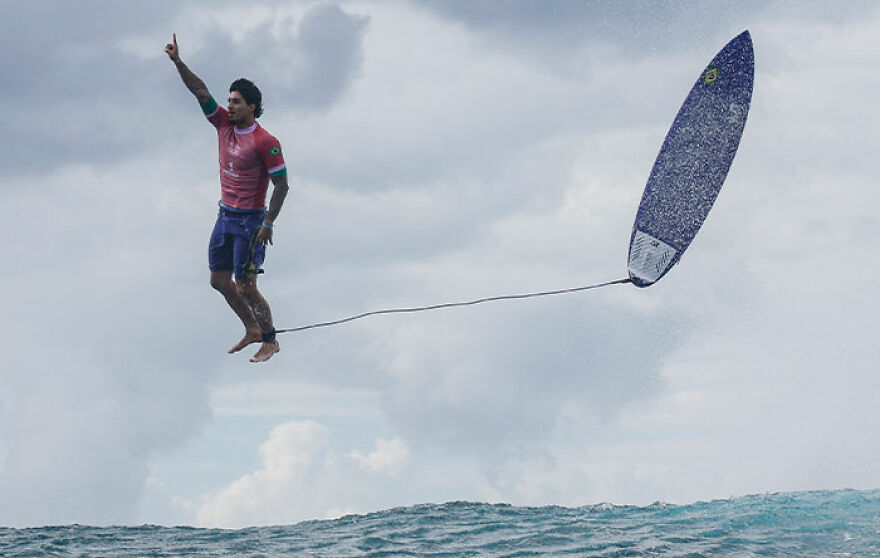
[[822, 524]]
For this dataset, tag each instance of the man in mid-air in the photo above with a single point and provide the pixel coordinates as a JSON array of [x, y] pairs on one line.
[[249, 158]]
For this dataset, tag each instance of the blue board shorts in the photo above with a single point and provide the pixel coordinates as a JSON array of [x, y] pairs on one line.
[[230, 244]]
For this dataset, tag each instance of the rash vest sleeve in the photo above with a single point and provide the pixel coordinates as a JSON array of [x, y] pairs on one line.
[[270, 151], [215, 114]]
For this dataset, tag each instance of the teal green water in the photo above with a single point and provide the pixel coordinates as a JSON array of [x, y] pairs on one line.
[[826, 524]]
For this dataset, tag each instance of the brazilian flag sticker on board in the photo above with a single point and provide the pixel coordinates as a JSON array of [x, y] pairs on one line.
[[711, 75]]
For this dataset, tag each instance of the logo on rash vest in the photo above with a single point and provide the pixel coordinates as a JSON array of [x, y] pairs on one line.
[[274, 150]]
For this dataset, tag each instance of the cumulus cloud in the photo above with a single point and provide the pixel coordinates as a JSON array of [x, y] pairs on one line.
[[439, 151], [555, 33], [82, 399], [301, 476], [471, 385], [300, 58], [77, 96], [278, 491], [388, 457], [119, 186], [84, 91], [529, 390]]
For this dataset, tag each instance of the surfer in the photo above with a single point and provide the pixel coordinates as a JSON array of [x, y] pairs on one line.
[[249, 158]]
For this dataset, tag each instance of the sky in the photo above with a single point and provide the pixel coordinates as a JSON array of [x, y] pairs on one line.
[[437, 152]]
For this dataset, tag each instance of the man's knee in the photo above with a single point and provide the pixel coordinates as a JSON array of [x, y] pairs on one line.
[[247, 289], [222, 282]]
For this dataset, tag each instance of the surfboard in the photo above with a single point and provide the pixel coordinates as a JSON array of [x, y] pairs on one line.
[[693, 162]]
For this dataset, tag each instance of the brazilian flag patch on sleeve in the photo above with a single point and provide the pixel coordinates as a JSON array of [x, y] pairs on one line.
[[274, 150]]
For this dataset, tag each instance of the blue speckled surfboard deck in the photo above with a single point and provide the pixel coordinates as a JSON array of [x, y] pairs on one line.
[[693, 162]]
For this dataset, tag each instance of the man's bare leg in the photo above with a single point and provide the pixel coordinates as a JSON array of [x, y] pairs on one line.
[[223, 282], [263, 316]]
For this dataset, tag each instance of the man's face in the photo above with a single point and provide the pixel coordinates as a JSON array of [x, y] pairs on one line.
[[239, 111]]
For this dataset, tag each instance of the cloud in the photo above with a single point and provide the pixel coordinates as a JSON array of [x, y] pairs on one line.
[[330, 43], [739, 369], [388, 457], [300, 477], [537, 386], [439, 152], [76, 95], [300, 59], [439, 121], [96, 376], [281, 396], [650, 26], [279, 490], [77, 449], [121, 374], [84, 92], [494, 381]]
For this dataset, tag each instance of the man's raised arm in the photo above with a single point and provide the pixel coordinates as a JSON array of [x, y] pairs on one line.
[[192, 81]]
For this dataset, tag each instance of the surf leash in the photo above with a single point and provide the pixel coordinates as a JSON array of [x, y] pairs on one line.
[[453, 305], [249, 267]]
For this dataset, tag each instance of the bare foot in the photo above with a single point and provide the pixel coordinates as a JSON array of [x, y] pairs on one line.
[[266, 351], [249, 337]]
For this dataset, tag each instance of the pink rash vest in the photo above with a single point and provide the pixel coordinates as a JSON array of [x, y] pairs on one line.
[[248, 157]]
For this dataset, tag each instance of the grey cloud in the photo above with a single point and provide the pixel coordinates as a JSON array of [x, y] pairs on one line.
[[551, 28], [63, 22], [306, 66], [113, 337], [76, 96], [650, 24], [330, 43], [79, 98], [63, 51], [79, 422], [490, 388], [121, 374], [82, 425]]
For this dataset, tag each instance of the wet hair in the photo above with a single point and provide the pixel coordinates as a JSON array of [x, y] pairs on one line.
[[251, 94]]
